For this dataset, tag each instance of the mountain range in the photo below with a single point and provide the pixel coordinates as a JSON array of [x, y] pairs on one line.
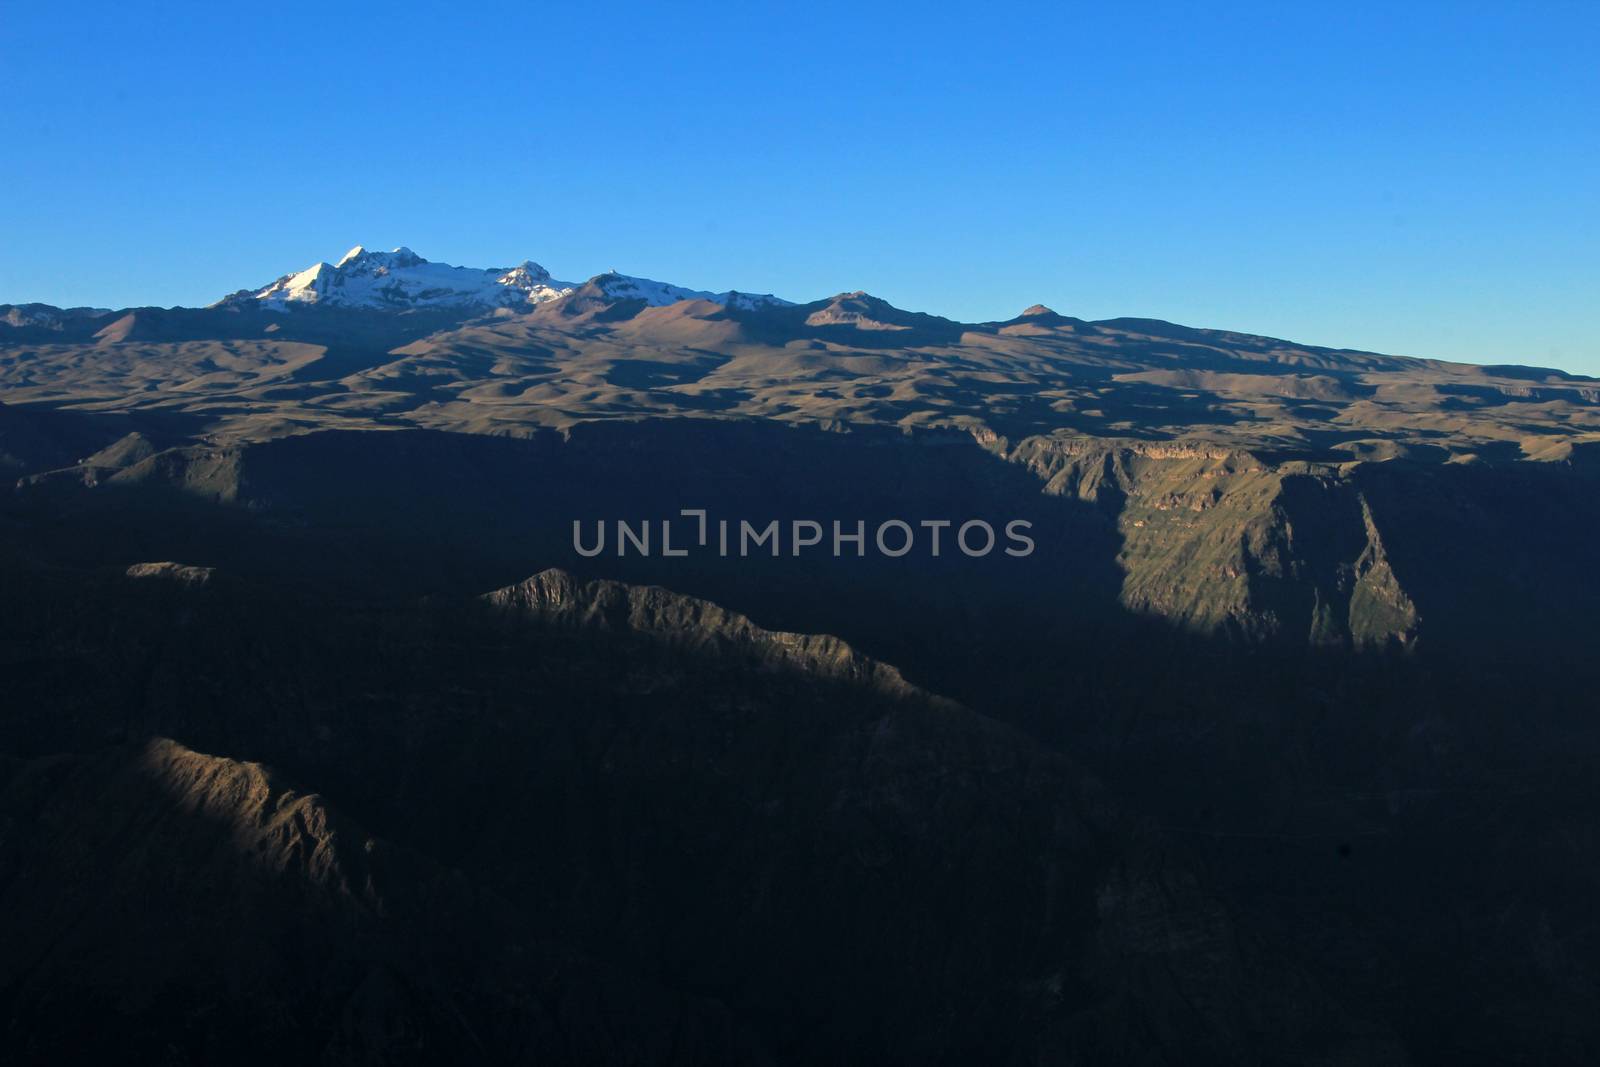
[[390, 337], [401, 280], [322, 741]]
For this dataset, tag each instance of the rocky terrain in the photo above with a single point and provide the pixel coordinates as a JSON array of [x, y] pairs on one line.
[[322, 742]]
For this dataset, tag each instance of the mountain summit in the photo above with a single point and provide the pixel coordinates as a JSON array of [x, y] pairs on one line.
[[401, 280]]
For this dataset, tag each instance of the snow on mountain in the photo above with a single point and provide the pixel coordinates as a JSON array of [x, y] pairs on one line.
[[401, 279], [660, 294]]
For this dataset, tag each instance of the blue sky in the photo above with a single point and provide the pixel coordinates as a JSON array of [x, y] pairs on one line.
[[1420, 178]]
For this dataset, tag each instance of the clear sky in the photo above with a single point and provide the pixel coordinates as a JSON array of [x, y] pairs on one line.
[[1420, 178]]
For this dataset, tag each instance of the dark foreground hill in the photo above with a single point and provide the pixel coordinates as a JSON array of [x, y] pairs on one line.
[[576, 822]]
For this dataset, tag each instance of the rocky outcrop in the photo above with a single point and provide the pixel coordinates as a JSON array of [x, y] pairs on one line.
[[555, 598], [1223, 541], [181, 573], [162, 905]]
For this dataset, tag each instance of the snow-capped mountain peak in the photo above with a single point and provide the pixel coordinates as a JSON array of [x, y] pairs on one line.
[[527, 273], [401, 280]]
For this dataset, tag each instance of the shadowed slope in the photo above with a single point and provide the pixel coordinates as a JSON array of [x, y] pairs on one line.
[[857, 874], [159, 904]]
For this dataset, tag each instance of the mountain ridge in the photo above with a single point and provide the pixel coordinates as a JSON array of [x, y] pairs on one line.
[[556, 598], [401, 280]]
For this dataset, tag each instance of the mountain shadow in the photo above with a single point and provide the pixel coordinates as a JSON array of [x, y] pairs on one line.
[[1394, 832]]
